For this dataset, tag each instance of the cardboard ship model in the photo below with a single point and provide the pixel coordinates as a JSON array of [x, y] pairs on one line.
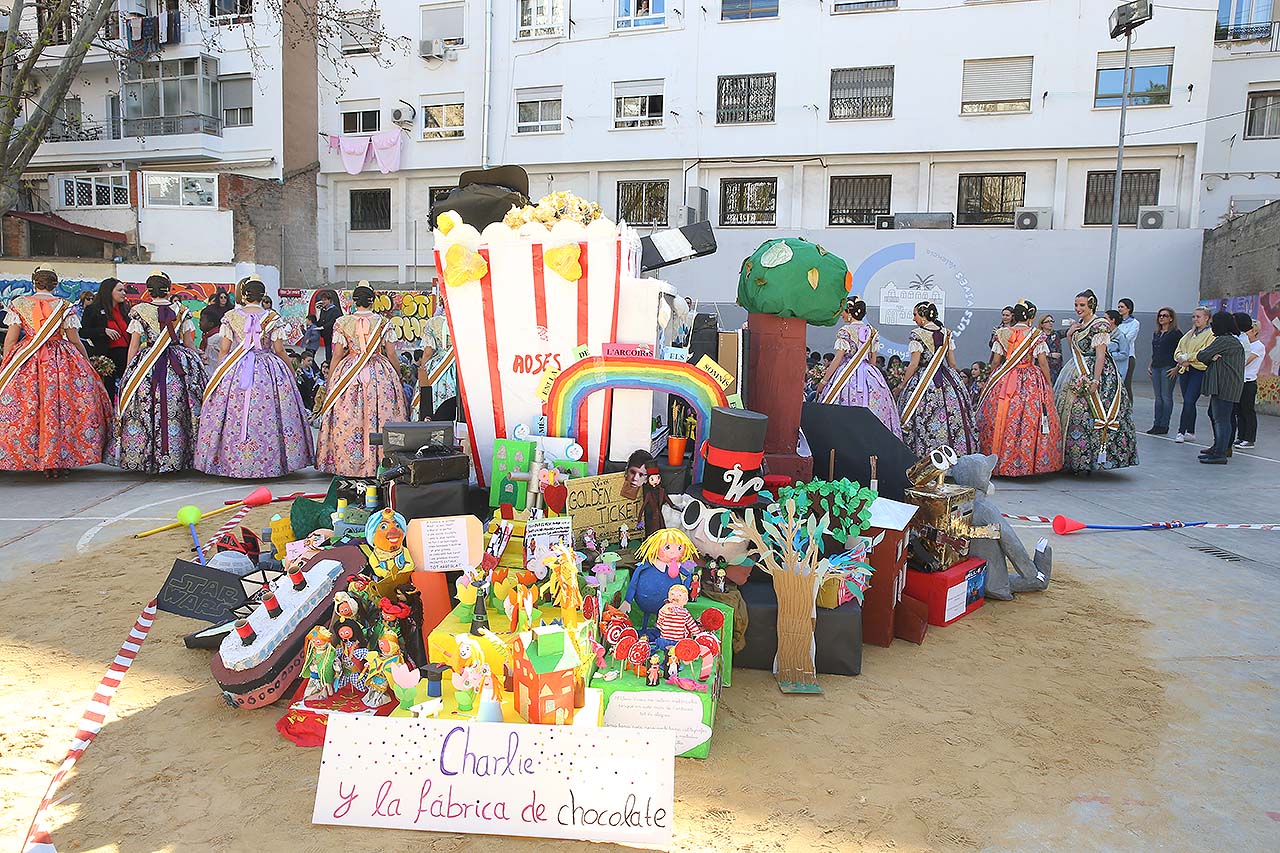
[[259, 660]]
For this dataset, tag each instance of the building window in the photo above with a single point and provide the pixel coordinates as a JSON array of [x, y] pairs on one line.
[[67, 124], [643, 203], [445, 21], [439, 194], [1150, 73], [539, 110], [361, 121], [223, 12], [859, 199], [1138, 189], [95, 191], [1263, 118], [443, 120], [170, 189], [742, 10], [173, 96], [996, 85], [862, 92], [637, 104], [361, 32], [541, 19], [371, 210], [749, 201], [864, 5], [990, 199], [1244, 20], [634, 14], [237, 102], [745, 99], [63, 29]]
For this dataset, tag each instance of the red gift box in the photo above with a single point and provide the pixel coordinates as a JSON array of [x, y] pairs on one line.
[[951, 594]]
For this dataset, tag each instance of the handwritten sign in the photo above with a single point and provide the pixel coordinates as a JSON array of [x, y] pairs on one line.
[[597, 503], [541, 535], [581, 352], [722, 377], [615, 785], [447, 543], [735, 401], [628, 350], [675, 353], [548, 379], [678, 713]]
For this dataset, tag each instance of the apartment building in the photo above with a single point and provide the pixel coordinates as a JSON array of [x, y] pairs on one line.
[[1242, 138], [190, 132]]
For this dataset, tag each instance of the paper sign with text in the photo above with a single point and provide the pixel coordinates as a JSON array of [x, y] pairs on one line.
[[597, 503], [445, 544], [628, 350], [722, 377], [548, 379], [615, 785], [581, 352], [675, 353], [735, 401]]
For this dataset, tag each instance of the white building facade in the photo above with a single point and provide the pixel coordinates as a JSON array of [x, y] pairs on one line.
[[815, 120], [1242, 138]]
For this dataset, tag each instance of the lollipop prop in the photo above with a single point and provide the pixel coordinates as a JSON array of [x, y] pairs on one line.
[[1063, 525], [190, 516], [258, 497]]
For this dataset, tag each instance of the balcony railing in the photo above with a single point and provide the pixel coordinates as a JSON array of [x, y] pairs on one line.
[[92, 131], [82, 131], [1268, 31]]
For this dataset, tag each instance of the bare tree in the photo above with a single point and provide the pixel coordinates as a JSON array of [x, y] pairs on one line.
[[80, 25]]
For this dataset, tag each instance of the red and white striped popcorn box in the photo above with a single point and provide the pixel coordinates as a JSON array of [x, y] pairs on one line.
[[538, 297]]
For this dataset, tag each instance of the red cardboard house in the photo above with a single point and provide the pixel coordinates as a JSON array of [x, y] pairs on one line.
[[544, 662]]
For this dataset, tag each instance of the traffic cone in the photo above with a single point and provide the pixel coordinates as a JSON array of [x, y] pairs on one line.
[[1063, 525], [260, 496]]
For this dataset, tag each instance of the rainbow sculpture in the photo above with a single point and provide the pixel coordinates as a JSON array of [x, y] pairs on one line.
[[599, 373]]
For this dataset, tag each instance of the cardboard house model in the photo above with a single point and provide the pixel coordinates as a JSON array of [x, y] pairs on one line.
[[544, 660]]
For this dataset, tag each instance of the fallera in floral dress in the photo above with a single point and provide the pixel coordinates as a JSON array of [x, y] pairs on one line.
[[1082, 437], [943, 412], [866, 385], [54, 412], [1018, 420], [363, 393], [253, 424]]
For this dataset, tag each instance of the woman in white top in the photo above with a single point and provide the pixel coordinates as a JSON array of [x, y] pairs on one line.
[[1247, 415]]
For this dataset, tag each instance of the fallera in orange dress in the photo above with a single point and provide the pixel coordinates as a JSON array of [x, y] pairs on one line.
[[1018, 421]]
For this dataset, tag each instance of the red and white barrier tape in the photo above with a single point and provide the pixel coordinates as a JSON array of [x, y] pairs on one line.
[[230, 525], [1243, 526], [38, 838], [1039, 518]]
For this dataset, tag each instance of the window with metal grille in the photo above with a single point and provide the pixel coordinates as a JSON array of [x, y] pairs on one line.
[[439, 194], [996, 85], [540, 18], [361, 121], [634, 14], [95, 191], [1263, 119], [1244, 20], [864, 6], [862, 92], [1150, 76], [749, 201], [371, 210], [1139, 188], [638, 104], [539, 110], [742, 10], [643, 202], [443, 121], [858, 199], [990, 199], [223, 12], [745, 98]]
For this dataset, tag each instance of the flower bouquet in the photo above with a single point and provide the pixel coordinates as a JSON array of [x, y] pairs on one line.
[[105, 367]]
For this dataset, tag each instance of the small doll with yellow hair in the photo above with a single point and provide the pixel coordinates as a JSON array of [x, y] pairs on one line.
[[666, 559]]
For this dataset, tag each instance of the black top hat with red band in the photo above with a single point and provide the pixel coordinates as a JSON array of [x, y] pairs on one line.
[[734, 455]]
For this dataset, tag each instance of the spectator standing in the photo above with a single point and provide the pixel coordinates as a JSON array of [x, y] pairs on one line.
[[328, 314], [1247, 416], [1190, 370], [1223, 383], [1117, 349], [105, 328], [1129, 328], [1053, 343], [1162, 370]]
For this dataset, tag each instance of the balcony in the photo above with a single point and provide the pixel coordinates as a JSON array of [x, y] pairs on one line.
[[1249, 38], [165, 138]]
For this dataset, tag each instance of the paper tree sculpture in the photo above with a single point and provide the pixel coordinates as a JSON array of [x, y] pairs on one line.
[[788, 541]]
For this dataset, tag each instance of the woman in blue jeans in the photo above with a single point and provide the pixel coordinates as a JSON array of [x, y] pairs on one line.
[[1163, 343], [1223, 382], [1191, 370]]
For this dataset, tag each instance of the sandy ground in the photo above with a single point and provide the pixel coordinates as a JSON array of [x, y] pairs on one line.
[[1017, 712]]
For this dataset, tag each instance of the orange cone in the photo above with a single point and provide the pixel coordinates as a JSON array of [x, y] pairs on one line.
[[1063, 525]]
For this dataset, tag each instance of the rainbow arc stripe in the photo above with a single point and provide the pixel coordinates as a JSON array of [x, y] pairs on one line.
[[571, 388]]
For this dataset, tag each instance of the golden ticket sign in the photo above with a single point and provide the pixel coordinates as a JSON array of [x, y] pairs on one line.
[[597, 503]]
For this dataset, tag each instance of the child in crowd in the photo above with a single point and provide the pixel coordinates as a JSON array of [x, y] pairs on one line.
[[309, 377]]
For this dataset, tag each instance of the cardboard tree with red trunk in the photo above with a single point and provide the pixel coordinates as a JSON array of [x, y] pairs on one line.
[[786, 285]]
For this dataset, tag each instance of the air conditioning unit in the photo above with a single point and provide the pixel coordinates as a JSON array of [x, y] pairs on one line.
[[883, 222], [924, 220], [1153, 218], [1033, 218], [695, 210], [403, 114], [431, 48]]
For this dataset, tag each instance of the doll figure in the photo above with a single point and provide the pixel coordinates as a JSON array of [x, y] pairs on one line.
[[623, 538], [673, 665], [665, 560], [675, 623], [351, 656], [637, 465], [655, 498], [589, 540], [384, 537], [377, 672], [320, 666], [653, 676]]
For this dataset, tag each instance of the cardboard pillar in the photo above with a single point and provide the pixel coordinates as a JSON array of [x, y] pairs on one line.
[[889, 559], [775, 377]]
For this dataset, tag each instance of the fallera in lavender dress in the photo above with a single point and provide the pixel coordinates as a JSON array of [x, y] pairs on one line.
[[254, 424], [866, 386]]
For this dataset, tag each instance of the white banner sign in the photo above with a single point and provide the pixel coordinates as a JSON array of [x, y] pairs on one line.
[[604, 784]]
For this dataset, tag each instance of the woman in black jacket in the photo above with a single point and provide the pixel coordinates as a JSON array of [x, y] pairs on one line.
[[104, 327]]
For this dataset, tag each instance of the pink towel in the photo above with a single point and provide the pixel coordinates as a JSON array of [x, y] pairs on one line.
[[355, 153], [386, 150], [335, 143]]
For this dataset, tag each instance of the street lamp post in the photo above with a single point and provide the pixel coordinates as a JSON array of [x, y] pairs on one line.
[[1124, 19]]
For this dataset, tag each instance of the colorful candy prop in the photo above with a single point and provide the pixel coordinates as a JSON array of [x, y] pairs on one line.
[[260, 496], [1064, 526], [190, 516]]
